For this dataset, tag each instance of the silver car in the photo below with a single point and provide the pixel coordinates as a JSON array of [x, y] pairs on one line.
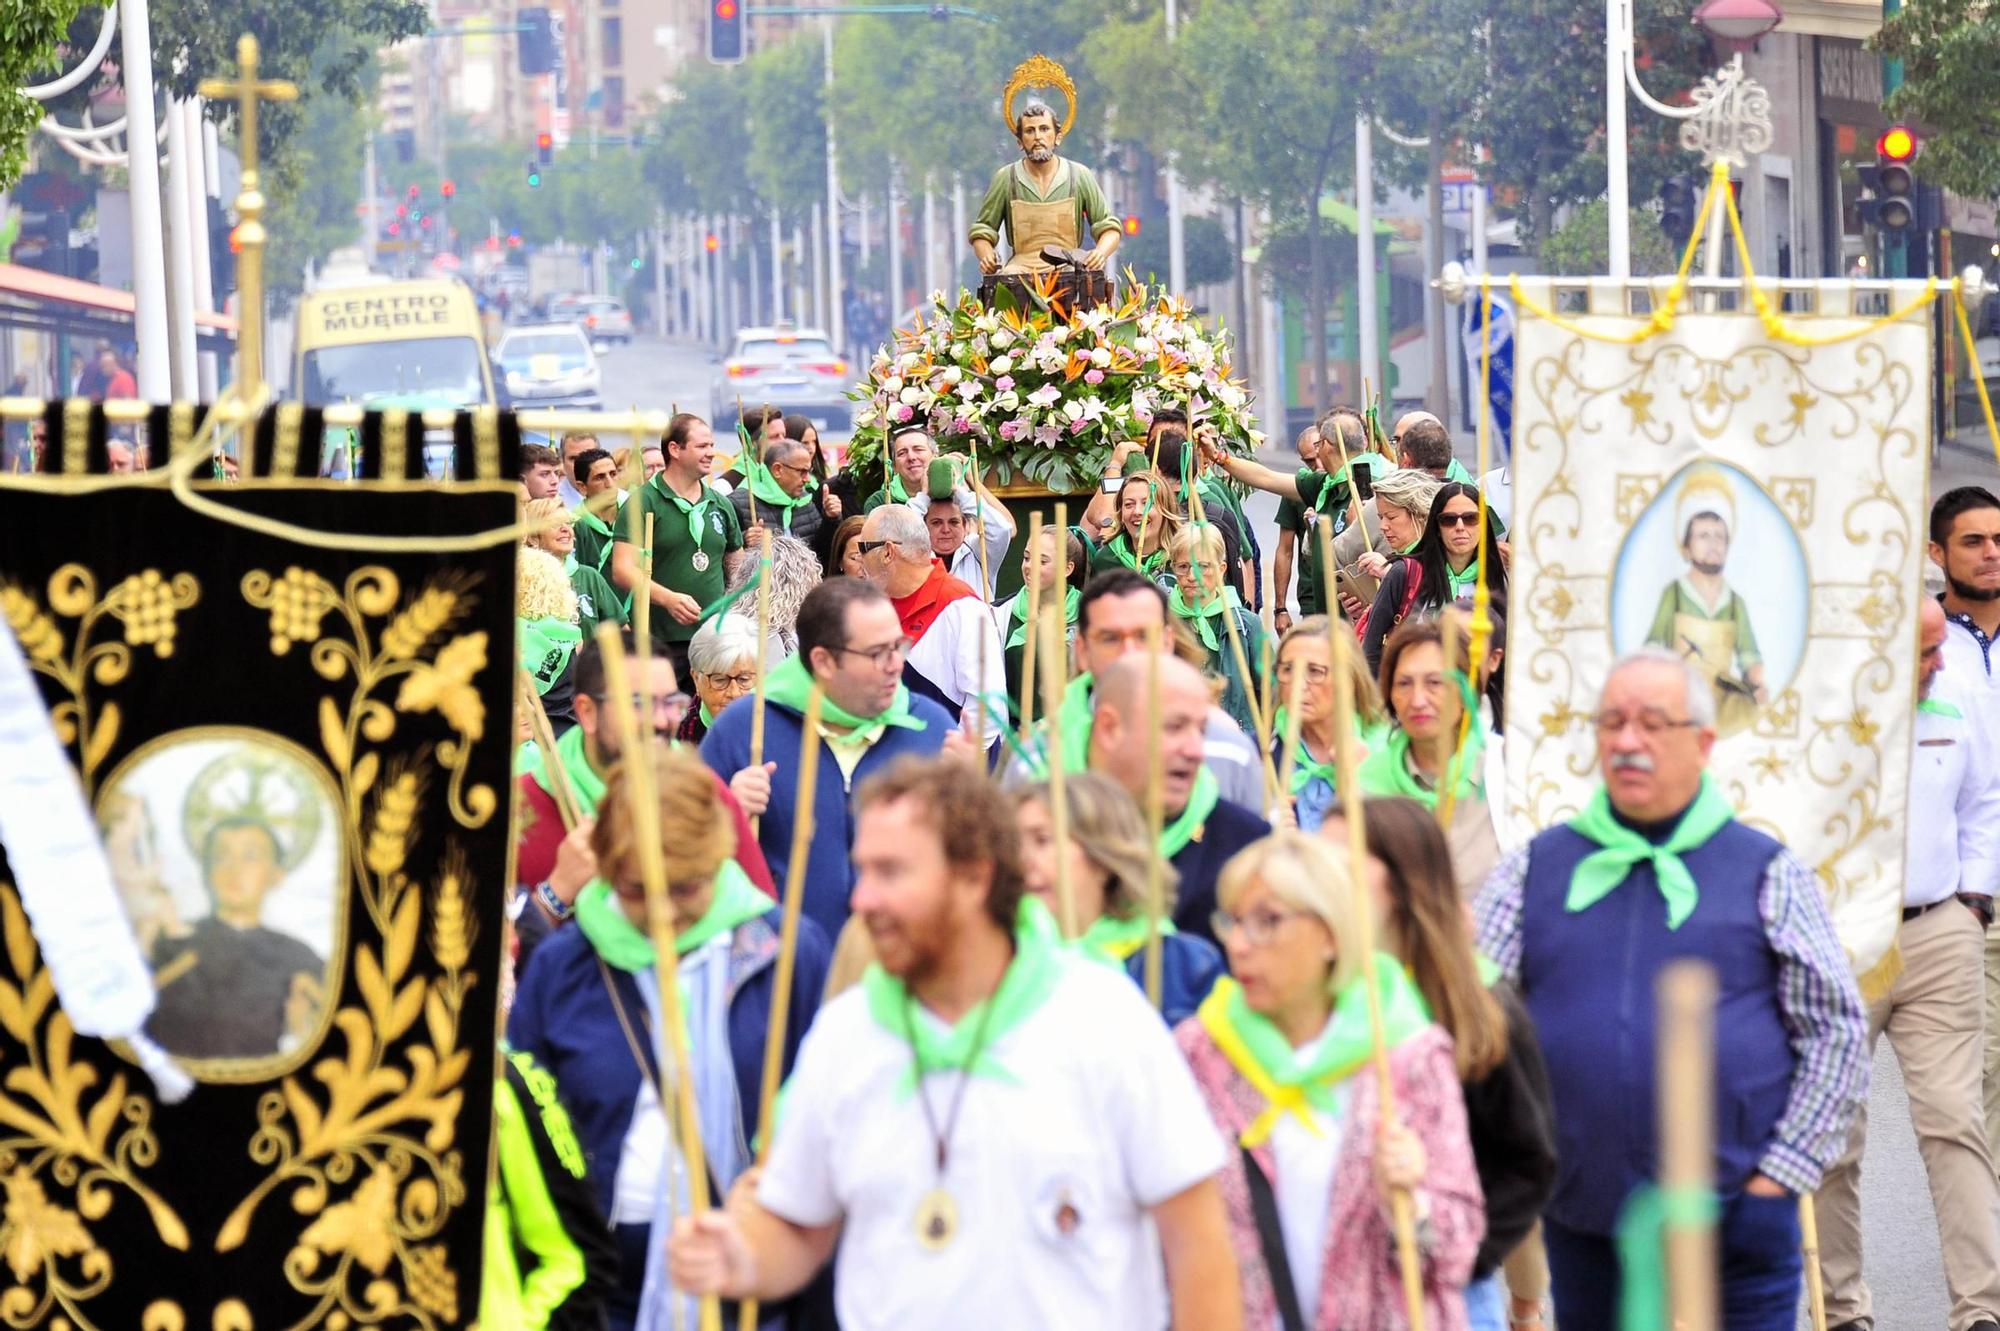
[[547, 365], [605, 320], [794, 369]]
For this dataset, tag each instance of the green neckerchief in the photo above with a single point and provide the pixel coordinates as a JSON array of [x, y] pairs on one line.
[[1175, 836], [1260, 1051], [790, 684], [1121, 548], [1623, 849], [764, 486], [1019, 635], [1336, 482], [624, 945], [546, 647], [894, 489], [1460, 581], [1386, 770], [1200, 616], [583, 517], [1939, 707], [696, 509], [1457, 472], [1073, 721], [584, 782], [1305, 767], [1112, 940], [707, 717], [1027, 983]]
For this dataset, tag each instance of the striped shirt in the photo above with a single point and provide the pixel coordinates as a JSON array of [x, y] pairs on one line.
[[1817, 998]]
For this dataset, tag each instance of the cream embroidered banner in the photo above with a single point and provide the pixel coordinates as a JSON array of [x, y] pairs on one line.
[[1754, 504]]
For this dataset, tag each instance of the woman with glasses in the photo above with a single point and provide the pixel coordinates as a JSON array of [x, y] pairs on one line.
[[1305, 650], [1199, 599], [1445, 564], [1110, 861], [1509, 1106], [589, 1002], [1281, 1051], [1058, 563], [1148, 517], [1427, 695], [722, 657]]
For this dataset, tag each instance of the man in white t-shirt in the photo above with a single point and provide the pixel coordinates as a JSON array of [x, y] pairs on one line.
[[997, 1131]]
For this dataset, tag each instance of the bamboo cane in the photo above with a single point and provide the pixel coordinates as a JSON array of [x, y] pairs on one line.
[[1294, 692], [1346, 765], [670, 1042], [1686, 994], [788, 946], [1809, 1253], [1054, 670], [763, 637], [642, 636], [545, 740], [1156, 819], [747, 447], [1033, 591], [1451, 741], [1326, 571]]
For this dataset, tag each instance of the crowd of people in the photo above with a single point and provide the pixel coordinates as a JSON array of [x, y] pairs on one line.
[[1081, 1024]]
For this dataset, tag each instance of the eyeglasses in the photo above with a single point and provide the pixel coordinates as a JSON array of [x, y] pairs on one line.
[[734, 683], [1458, 519], [866, 548], [1650, 722], [1259, 927], [802, 470], [675, 705], [881, 656], [1187, 570], [1315, 673]]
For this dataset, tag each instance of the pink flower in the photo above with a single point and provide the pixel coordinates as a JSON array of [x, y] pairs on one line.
[[1093, 377], [1010, 430], [1046, 435], [904, 411], [1079, 425], [1003, 383], [961, 425]]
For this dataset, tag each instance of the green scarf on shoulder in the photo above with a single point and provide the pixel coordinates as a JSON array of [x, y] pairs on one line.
[[1258, 1050], [546, 647], [1602, 871], [1202, 800], [588, 520], [1121, 549], [1019, 615], [790, 684], [1026, 984], [1305, 768], [764, 486], [1113, 941], [584, 782], [624, 945], [1072, 725], [1386, 770], [1202, 617]]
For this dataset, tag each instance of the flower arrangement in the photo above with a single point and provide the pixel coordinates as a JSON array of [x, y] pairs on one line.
[[1045, 393]]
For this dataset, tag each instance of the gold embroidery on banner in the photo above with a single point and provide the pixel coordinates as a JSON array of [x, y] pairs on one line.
[[180, 428], [395, 445], [486, 442], [145, 605], [76, 436], [285, 427]]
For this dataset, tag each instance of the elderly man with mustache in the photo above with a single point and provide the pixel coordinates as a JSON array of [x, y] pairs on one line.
[[1583, 919]]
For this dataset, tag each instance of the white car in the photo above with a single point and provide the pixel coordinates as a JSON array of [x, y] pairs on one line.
[[793, 369], [547, 365], [605, 320]]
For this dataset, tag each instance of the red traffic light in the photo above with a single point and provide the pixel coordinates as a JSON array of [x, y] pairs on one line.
[[725, 9], [415, 190], [424, 221], [236, 239], [448, 189], [1131, 224], [712, 242], [395, 228], [402, 210], [544, 139], [514, 241], [1897, 144]]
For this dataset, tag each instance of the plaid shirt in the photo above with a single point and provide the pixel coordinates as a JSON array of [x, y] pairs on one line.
[[1821, 1008]]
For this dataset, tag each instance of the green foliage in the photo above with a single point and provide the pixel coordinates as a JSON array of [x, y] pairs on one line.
[[1581, 246], [700, 160], [1950, 51], [787, 159], [312, 196], [1211, 254], [29, 33]]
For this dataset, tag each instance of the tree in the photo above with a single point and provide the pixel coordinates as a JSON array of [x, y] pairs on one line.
[[34, 29], [1581, 246], [1950, 51], [699, 163], [787, 157], [312, 199], [1211, 255]]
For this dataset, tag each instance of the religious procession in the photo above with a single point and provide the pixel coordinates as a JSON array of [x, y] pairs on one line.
[[1393, 780]]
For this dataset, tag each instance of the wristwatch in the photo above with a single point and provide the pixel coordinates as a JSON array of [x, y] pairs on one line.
[[1979, 904], [558, 909], [1111, 485]]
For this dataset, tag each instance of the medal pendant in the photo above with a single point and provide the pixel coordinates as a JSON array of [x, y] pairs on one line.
[[700, 561], [937, 1220]]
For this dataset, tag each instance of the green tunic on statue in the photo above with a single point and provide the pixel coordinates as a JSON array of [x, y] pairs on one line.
[[1680, 598], [1073, 181]]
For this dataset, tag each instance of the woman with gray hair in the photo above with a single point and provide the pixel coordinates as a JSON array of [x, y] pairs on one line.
[[794, 572], [722, 659]]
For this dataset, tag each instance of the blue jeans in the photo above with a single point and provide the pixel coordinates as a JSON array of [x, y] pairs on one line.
[[1486, 1304], [1758, 1242]]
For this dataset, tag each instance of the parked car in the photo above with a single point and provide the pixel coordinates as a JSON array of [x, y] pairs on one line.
[[547, 365], [795, 369], [606, 320]]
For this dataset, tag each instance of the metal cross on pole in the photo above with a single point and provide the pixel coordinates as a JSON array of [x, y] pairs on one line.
[[249, 90]]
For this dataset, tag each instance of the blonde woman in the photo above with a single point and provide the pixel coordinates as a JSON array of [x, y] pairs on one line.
[[1148, 517], [596, 602], [1281, 1053], [545, 624], [589, 998], [1109, 859], [1305, 650], [1199, 600]]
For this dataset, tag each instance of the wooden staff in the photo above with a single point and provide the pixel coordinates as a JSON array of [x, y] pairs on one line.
[[978, 483], [1809, 1251], [642, 631], [1293, 693], [746, 447], [1156, 819], [545, 740], [1054, 681], [1450, 745], [1033, 591], [1686, 994], [1402, 1214], [788, 944], [1360, 515], [1259, 719], [670, 1040], [763, 636]]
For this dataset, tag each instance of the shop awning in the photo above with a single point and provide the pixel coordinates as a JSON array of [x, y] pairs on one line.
[[31, 298]]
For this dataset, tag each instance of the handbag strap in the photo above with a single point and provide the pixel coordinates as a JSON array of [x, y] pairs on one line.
[[1264, 1209]]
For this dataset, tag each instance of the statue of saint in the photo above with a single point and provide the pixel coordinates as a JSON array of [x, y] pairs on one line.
[[1044, 200]]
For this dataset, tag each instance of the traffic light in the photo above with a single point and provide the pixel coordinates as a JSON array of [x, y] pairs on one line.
[[415, 192], [1678, 202], [538, 41], [395, 229], [534, 175], [1131, 224], [711, 242], [1894, 207], [637, 263], [725, 31], [448, 188], [545, 146]]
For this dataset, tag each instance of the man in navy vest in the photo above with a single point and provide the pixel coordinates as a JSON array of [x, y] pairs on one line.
[[1583, 918]]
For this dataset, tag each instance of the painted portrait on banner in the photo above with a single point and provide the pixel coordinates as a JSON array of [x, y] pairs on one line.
[[226, 849], [1749, 495]]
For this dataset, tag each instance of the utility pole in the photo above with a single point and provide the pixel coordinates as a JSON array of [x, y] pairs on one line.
[[1369, 330], [835, 314], [1617, 184], [149, 270], [1176, 224], [777, 268], [895, 247], [660, 325], [181, 156]]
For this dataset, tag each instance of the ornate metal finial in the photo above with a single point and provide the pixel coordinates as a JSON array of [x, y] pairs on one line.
[[248, 240], [1732, 119], [1038, 71]]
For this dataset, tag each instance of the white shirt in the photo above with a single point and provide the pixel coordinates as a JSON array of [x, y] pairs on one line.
[[1053, 1173], [949, 655], [1954, 802], [999, 528], [1304, 1189], [1966, 663]]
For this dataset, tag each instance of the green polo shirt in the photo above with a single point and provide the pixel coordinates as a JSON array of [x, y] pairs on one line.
[[1292, 518], [675, 549]]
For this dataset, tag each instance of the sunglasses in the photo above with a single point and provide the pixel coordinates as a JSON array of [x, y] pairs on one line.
[[866, 548], [1458, 520]]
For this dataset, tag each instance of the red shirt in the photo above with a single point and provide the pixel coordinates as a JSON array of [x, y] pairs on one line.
[[540, 830], [920, 609], [121, 384]]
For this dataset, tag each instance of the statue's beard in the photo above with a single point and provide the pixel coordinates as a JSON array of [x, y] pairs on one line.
[[1965, 591], [1040, 155], [1710, 569]]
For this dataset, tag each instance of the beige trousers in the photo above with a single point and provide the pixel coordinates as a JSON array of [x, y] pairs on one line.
[[1993, 1041], [1935, 1019]]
